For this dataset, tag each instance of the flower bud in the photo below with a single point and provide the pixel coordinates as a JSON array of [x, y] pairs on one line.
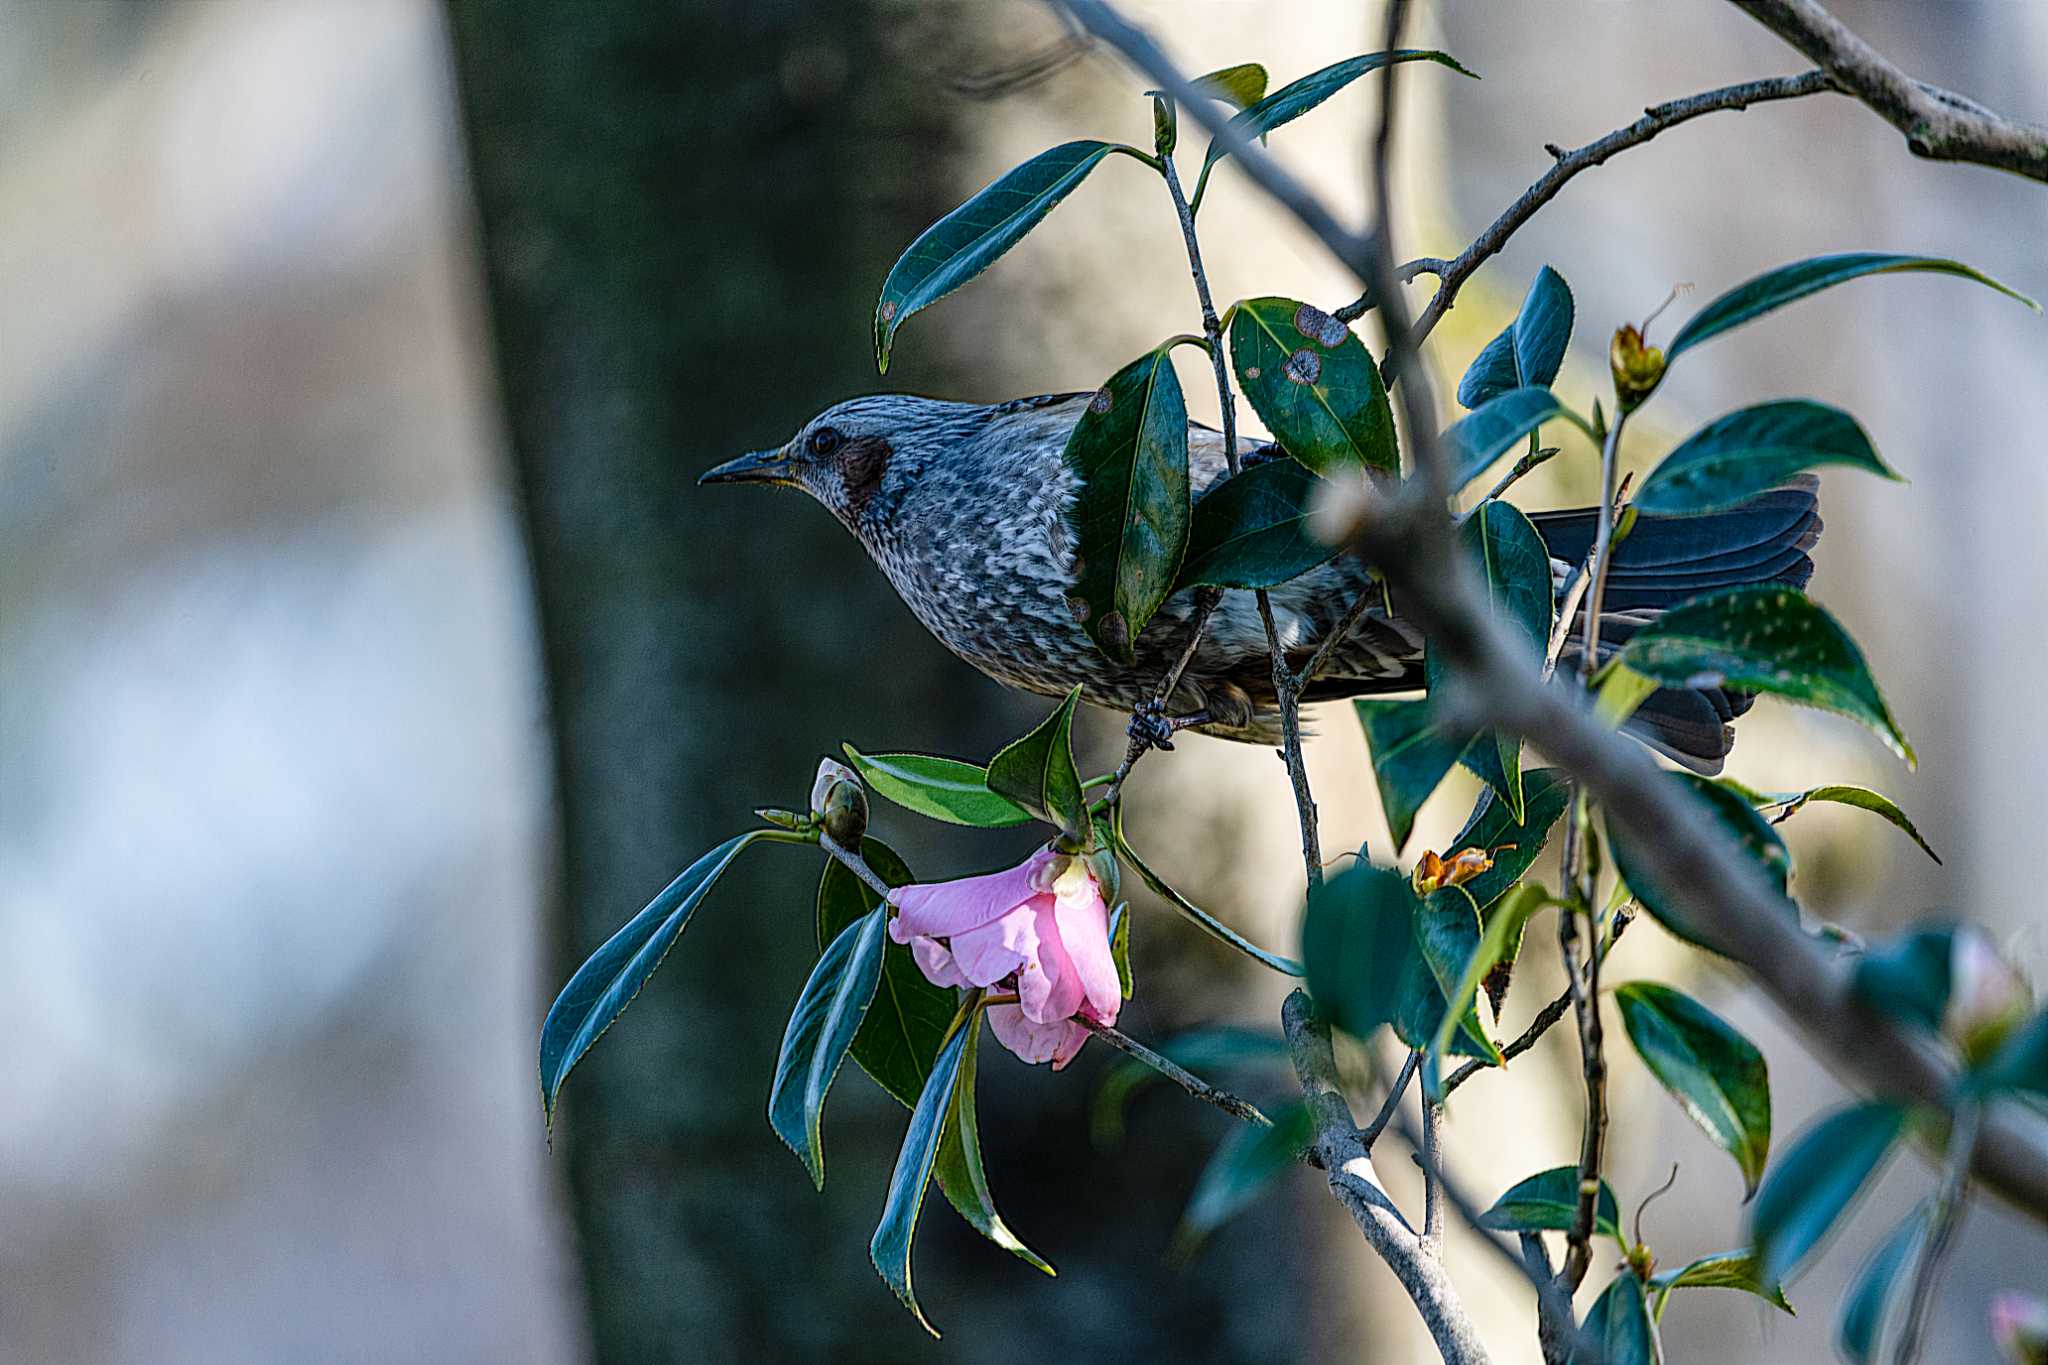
[[1637, 367], [840, 803], [2019, 1324], [1986, 997]]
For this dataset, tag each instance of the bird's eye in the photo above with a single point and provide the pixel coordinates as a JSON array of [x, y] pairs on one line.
[[824, 440]]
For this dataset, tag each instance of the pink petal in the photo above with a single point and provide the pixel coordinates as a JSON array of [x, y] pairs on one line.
[[936, 962], [943, 909], [1084, 935], [1008, 944], [1034, 1042], [1048, 987]]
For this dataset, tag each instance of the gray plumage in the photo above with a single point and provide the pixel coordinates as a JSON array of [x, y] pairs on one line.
[[964, 508]]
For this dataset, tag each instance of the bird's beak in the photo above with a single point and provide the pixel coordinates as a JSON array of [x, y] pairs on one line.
[[756, 466]]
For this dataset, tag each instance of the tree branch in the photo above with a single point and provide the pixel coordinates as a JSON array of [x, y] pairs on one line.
[[1187, 1080], [1939, 124]]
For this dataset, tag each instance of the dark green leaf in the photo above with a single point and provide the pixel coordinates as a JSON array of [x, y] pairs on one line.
[[1863, 1307], [1448, 940], [1751, 451], [1813, 1183], [1620, 1323], [1131, 515], [1738, 821], [901, 1034], [1787, 283], [1201, 918], [1847, 794], [1486, 433], [1244, 1163], [1410, 755], [1242, 86], [1514, 846], [1548, 1202], [941, 788], [968, 240], [1357, 940], [1314, 385], [2021, 1061], [828, 1013], [1201, 1051], [1038, 773], [1716, 1075], [1499, 941], [958, 1168], [603, 986], [1515, 566], [1296, 98], [1907, 977], [1251, 531], [890, 1247], [1722, 1270], [1530, 350], [1419, 1014]]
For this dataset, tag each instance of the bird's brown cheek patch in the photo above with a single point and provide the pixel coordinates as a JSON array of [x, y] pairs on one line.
[[861, 463]]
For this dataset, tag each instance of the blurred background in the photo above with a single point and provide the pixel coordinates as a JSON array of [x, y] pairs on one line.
[[367, 655]]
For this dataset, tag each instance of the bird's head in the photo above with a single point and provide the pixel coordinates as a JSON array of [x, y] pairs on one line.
[[860, 457]]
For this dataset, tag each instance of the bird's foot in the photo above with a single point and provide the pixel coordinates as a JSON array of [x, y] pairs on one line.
[[1151, 727]]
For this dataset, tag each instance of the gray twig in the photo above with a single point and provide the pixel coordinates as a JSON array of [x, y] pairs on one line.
[[1942, 1221], [1371, 1132], [1230, 1104]]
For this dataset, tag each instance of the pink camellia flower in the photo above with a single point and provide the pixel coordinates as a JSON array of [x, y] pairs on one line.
[[1043, 925], [2019, 1324]]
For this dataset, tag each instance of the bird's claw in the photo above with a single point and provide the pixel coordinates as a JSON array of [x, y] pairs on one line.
[[1151, 727]]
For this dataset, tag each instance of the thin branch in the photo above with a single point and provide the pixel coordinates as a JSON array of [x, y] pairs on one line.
[[1942, 1221], [1603, 541], [1334, 637], [1187, 1080], [1347, 1161], [855, 864], [1405, 273], [1939, 124], [1539, 1026], [1655, 120], [1371, 1132], [1431, 1154], [1518, 469]]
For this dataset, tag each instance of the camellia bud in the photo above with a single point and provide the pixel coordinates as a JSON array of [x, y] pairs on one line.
[[1638, 368], [1987, 999], [2019, 1324], [840, 803]]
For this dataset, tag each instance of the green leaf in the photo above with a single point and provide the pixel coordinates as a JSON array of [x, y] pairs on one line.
[[1251, 531], [1200, 1051], [1356, 941], [1722, 1270], [1038, 773], [958, 1168], [1314, 385], [890, 1247], [1514, 845], [1738, 821], [1906, 977], [1245, 1162], [1620, 1323], [1296, 98], [1411, 753], [1515, 566], [904, 1026], [604, 985], [1863, 1307], [1813, 1183], [1199, 917], [821, 1029], [1717, 1076], [1242, 86], [1419, 1014], [1548, 1202], [1764, 638], [1120, 948], [1530, 351], [941, 788], [2021, 1061], [1499, 941], [1736, 457], [1486, 433], [1448, 939], [968, 240], [1131, 515], [1776, 288], [1838, 793]]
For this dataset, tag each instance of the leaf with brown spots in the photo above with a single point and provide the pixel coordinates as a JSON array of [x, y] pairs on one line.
[[1314, 385]]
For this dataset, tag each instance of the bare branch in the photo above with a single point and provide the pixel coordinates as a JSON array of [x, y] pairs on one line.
[[1939, 124], [1371, 1132], [1187, 1080]]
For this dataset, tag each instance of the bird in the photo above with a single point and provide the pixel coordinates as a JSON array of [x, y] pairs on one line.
[[965, 509]]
